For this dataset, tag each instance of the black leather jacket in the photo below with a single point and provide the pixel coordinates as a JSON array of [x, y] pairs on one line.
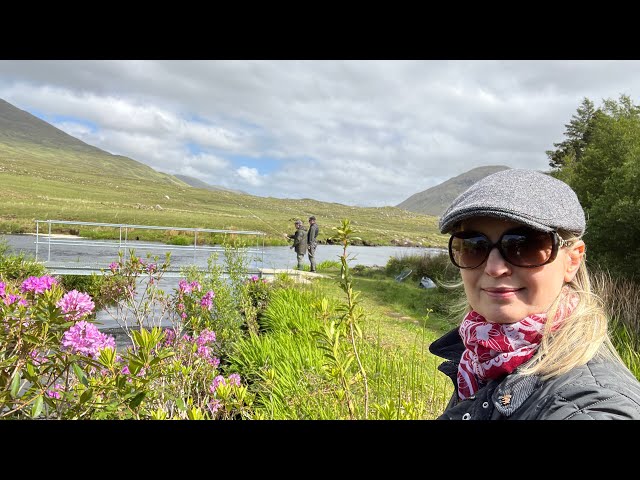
[[602, 389]]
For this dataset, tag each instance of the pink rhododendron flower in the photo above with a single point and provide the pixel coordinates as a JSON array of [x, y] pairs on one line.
[[38, 284], [2, 289], [53, 394], [114, 267], [76, 305], [10, 299], [85, 338], [38, 359], [187, 287], [219, 380], [234, 379], [169, 336], [207, 300], [206, 336], [215, 405]]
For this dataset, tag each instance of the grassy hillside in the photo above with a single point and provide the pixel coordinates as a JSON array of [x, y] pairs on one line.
[[47, 174]]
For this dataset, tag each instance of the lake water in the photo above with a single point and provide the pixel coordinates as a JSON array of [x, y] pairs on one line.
[[269, 257]]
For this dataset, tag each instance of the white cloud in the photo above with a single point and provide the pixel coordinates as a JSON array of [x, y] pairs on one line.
[[368, 133], [249, 176]]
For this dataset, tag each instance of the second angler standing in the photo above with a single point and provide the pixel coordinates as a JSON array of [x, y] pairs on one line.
[[312, 241]]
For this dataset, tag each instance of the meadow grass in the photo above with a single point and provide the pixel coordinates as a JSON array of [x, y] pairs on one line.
[[293, 380], [28, 198]]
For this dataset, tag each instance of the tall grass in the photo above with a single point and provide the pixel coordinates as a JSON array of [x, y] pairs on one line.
[[621, 299], [292, 380]]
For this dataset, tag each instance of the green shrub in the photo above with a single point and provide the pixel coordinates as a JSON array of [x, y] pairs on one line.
[[18, 266], [105, 290], [436, 267], [180, 240]]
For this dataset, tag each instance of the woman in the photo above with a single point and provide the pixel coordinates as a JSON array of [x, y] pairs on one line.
[[533, 343]]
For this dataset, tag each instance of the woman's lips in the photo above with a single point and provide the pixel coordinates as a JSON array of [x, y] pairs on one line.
[[501, 292]]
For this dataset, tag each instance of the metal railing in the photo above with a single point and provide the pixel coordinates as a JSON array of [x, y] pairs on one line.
[[48, 239]]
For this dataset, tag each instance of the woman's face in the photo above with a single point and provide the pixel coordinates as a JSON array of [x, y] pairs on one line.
[[504, 293]]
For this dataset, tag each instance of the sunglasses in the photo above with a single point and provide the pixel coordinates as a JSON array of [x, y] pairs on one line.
[[521, 246]]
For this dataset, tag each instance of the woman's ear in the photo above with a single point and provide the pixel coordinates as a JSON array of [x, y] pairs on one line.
[[575, 256]]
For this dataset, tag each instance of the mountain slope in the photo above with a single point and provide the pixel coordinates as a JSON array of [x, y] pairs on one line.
[[435, 200], [31, 146]]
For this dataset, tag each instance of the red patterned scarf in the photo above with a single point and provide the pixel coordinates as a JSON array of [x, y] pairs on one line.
[[494, 350]]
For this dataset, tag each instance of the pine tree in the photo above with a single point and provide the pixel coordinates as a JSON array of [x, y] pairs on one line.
[[577, 132]]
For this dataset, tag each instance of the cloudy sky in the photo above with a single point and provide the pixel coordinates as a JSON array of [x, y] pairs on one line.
[[357, 132]]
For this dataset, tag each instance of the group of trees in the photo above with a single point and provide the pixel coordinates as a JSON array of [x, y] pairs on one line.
[[600, 159]]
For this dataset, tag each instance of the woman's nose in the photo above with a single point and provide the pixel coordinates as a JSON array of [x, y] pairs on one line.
[[495, 265]]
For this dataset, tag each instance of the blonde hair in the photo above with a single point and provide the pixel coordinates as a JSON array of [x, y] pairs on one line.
[[578, 337]]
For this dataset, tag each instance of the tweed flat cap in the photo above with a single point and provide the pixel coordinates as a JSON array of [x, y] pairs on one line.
[[525, 196]]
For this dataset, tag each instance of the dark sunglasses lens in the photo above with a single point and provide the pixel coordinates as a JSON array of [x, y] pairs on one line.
[[469, 252], [527, 248]]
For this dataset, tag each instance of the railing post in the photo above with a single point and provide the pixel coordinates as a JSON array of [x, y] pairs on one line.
[[37, 236], [49, 254], [195, 243]]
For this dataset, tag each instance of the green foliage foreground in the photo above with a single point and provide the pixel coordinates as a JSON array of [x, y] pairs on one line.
[[349, 347], [249, 349]]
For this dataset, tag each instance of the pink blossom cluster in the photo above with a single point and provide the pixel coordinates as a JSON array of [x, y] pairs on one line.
[[215, 405], [38, 284], [207, 300], [9, 298], [186, 287], [204, 341], [114, 267], [206, 336], [55, 391], [38, 358], [169, 336], [85, 338], [75, 305], [233, 379]]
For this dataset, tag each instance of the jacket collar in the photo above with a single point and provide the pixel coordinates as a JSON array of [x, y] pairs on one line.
[[511, 392], [449, 346]]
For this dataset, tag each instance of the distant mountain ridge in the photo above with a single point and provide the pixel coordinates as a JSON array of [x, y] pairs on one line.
[[435, 200], [197, 183]]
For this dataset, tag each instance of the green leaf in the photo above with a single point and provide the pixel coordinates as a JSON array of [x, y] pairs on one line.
[[15, 384], [135, 402], [36, 409], [86, 396], [80, 374], [180, 404]]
